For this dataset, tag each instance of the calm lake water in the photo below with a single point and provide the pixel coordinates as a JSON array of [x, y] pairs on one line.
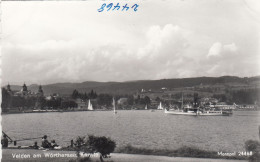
[[140, 128]]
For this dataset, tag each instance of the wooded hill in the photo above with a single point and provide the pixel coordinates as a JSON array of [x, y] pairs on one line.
[[131, 87]]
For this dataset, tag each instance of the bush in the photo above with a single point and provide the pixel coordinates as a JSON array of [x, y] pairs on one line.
[[255, 157], [81, 145], [102, 145], [85, 159], [93, 144], [252, 145]]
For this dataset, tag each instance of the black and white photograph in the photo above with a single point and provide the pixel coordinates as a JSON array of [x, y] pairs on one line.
[[130, 81]]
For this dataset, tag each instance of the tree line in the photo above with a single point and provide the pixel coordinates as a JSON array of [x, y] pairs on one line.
[[243, 96], [54, 102]]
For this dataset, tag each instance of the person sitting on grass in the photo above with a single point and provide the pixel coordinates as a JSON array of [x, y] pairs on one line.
[[4, 141], [35, 146], [54, 144], [45, 142]]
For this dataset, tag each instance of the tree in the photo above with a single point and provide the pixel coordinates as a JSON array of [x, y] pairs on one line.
[[252, 145], [137, 100], [40, 103], [53, 103], [5, 100], [75, 94], [102, 145], [245, 96], [92, 94], [147, 100], [85, 96], [104, 99], [130, 100], [220, 97], [68, 104], [95, 95], [30, 102], [157, 99], [93, 144], [17, 101]]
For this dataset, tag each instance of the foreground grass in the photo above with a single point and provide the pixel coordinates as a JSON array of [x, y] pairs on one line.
[[115, 157], [181, 152]]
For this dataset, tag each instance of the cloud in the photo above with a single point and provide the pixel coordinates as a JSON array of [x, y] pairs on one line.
[[217, 49], [228, 59], [73, 61], [164, 44], [73, 42], [168, 52]]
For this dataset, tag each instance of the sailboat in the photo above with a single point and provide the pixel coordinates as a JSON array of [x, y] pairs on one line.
[[90, 107], [114, 106], [187, 110], [145, 107], [160, 106]]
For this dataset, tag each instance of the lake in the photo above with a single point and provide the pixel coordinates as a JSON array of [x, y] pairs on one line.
[[139, 128]]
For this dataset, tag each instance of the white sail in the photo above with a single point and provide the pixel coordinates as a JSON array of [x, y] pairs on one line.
[[182, 100], [160, 106], [145, 107], [90, 107], [114, 106]]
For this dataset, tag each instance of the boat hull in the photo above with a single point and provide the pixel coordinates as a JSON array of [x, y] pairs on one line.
[[215, 113], [180, 113], [211, 114]]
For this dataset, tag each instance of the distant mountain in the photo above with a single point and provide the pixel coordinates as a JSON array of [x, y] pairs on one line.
[[134, 86]]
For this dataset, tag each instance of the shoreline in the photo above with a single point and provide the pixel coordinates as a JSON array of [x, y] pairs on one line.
[[58, 111], [61, 111]]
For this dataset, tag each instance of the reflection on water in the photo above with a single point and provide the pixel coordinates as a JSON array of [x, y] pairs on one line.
[[138, 128]]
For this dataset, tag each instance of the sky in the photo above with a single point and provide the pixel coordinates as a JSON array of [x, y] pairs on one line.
[[47, 42]]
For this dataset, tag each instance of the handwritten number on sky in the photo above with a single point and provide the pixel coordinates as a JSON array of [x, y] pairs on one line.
[[113, 7]]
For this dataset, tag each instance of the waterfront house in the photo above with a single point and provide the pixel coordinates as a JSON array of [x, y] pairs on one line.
[[82, 105], [122, 101]]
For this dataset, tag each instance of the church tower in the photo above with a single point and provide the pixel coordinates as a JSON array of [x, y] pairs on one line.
[[40, 91], [40, 98], [9, 88], [24, 88]]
